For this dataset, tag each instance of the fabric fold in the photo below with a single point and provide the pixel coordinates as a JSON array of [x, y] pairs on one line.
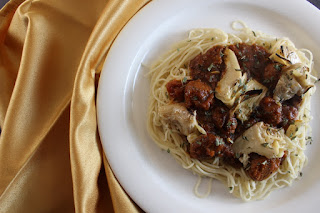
[[51, 56], [115, 15]]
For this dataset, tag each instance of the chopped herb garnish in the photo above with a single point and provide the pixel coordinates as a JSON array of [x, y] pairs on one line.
[[210, 67], [247, 125], [237, 45], [247, 166], [211, 78], [265, 81], [221, 54], [264, 162], [292, 122], [178, 49], [195, 98], [229, 124], [219, 141], [309, 140], [254, 34], [238, 69], [245, 138], [188, 40], [264, 144], [212, 38], [198, 142], [237, 155], [168, 150], [184, 80], [300, 174], [244, 66], [234, 91], [244, 58], [285, 121], [230, 188], [245, 87], [207, 113], [277, 67], [294, 137]]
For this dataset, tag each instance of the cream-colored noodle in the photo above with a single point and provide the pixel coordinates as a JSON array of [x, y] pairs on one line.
[[174, 65]]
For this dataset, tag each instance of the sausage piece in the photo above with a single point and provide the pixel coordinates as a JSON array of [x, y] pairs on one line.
[[199, 95], [203, 65], [207, 147], [262, 167], [270, 111], [175, 89]]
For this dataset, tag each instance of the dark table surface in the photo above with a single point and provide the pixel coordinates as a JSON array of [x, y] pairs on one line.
[[315, 3]]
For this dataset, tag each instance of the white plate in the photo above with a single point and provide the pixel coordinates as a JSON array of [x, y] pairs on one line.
[[151, 176]]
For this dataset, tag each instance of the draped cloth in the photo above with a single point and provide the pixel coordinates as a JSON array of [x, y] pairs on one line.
[[51, 55]]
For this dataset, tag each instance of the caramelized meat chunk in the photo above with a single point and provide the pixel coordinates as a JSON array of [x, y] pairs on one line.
[[229, 158], [175, 89], [230, 126], [204, 66], [289, 112], [252, 58], [289, 115], [207, 147], [262, 167], [271, 74], [199, 95], [270, 111], [219, 115]]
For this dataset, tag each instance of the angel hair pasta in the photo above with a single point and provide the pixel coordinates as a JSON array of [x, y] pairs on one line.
[[234, 107]]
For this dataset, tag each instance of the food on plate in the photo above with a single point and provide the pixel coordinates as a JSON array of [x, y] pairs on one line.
[[234, 108]]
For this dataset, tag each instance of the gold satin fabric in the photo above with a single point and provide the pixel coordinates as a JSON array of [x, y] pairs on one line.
[[51, 54]]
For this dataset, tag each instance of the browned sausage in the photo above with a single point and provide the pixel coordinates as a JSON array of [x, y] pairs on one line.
[[207, 146], [175, 89], [202, 65], [270, 111], [219, 115], [198, 94], [262, 167]]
